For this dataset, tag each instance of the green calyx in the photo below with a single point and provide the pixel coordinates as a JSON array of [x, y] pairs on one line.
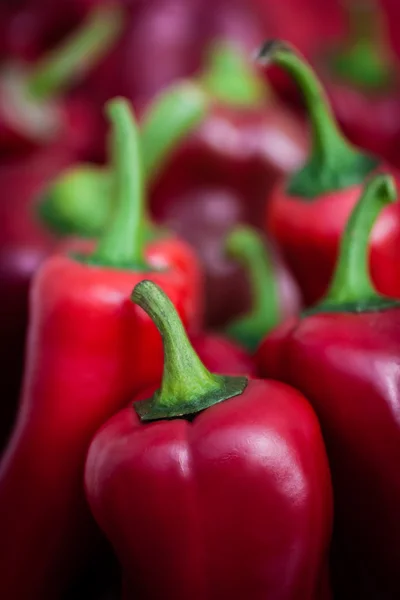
[[80, 203], [230, 78], [246, 246], [334, 164], [351, 288], [363, 61], [187, 386], [76, 55], [122, 244]]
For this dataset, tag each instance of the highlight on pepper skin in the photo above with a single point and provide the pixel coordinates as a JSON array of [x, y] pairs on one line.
[[199, 299]]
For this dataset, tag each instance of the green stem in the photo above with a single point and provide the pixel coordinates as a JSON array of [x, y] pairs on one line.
[[170, 118], [230, 78], [334, 163], [78, 54], [364, 59], [352, 289], [247, 247], [187, 386], [122, 245]]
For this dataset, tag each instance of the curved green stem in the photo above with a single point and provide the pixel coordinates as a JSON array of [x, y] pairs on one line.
[[364, 58], [123, 244], [352, 289], [334, 163], [230, 78], [187, 386], [78, 54], [246, 246], [169, 118]]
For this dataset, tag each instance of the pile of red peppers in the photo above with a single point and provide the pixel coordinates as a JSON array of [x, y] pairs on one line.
[[199, 300]]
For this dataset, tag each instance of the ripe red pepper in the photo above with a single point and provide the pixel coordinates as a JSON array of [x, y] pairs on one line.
[[241, 469], [88, 351], [245, 143], [273, 299], [362, 81], [344, 355], [308, 211], [32, 113]]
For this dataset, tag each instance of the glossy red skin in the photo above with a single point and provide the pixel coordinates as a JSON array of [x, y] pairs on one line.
[[223, 356], [24, 245], [89, 349], [347, 365], [308, 234], [246, 499]]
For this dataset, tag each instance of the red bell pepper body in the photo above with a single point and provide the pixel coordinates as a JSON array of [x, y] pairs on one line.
[[344, 357], [242, 485]]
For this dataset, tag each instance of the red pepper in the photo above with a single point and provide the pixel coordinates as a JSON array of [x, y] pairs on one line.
[[362, 82], [88, 351], [344, 355], [221, 355], [32, 113], [308, 211], [246, 142], [241, 470]]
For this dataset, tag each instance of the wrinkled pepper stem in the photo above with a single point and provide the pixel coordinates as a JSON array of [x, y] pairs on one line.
[[230, 78], [122, 245], [246, 246], [364, 61], [78, 54], [351, 288], [187, 386], [334, 163]]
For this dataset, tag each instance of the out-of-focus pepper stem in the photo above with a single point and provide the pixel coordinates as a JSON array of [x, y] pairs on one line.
[[334, 163], [77, 54], [246, 245]]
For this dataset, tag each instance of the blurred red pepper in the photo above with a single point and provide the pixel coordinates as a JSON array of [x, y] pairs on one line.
[[24, 245], [344, 355], [88, 351], [80, 204], [32, 114], [229, 164], [308, 211], [361, 79], [241, 469]]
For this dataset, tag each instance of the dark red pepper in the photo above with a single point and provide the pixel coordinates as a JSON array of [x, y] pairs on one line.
[[241, 470], [31, 111], [221, 355], [308, 210], [344, 355], [362, 81], [88, 351]]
